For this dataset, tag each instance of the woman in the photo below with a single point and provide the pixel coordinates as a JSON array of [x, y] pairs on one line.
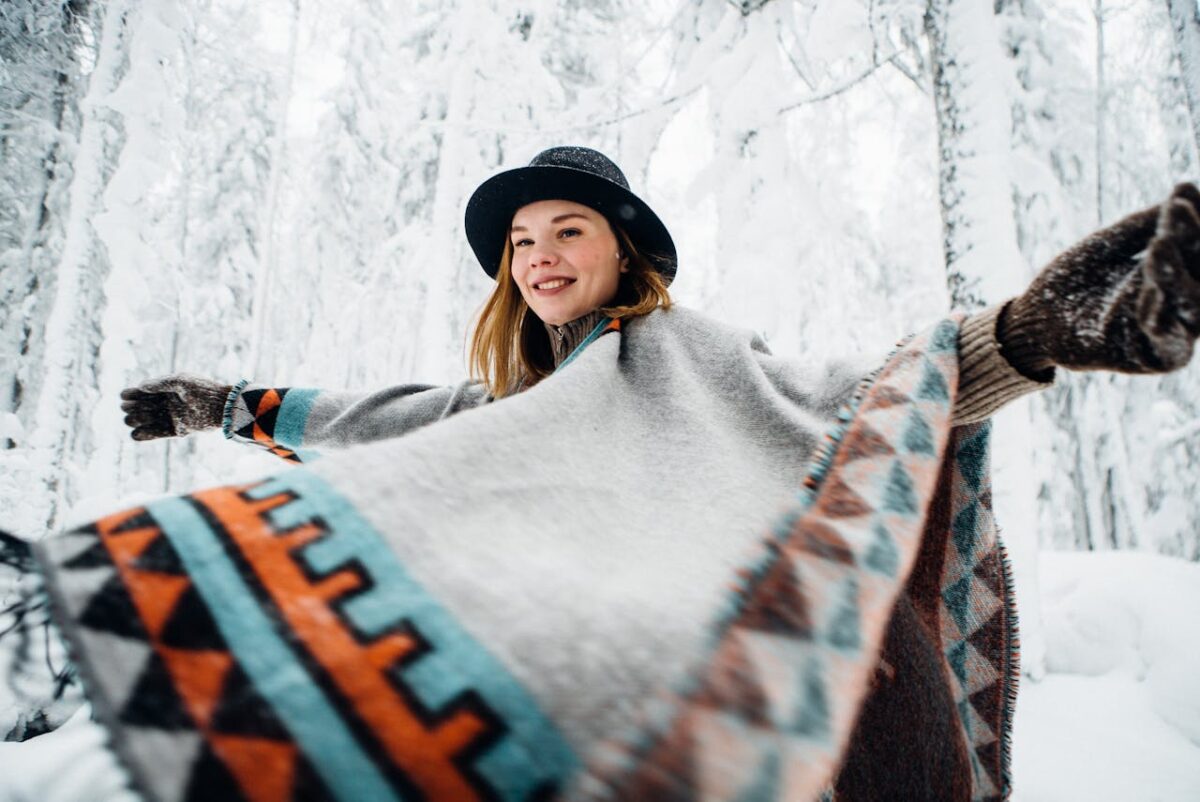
[[616, 260], [480, 607]]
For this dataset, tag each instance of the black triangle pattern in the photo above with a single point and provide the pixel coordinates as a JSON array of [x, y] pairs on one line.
[[141, 520], [241, 711], [94, 556], [191, 625], [160, 556], [307, 785], [154, 702], [681, 781], [251, 399], [85, 529], [732, 684], [266, 421], [839, 501], [987, 704], [778, 604], [211, 781], [111, 610], [989, 756], [989, 634], [864, 443]]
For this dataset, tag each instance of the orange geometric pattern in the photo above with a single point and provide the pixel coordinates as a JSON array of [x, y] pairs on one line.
[[264, 768], [425, 753]]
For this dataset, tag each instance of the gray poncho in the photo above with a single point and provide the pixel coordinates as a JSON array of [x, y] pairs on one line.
[[562, 579]]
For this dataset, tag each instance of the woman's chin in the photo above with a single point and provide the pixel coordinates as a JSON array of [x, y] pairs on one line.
[[556, 317]]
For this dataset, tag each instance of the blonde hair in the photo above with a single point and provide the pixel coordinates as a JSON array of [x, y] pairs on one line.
[[509, 348]]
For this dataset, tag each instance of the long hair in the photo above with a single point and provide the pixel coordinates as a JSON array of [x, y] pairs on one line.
[[509, 349]]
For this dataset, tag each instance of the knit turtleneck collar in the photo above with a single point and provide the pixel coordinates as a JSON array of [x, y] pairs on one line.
[[566, 338]]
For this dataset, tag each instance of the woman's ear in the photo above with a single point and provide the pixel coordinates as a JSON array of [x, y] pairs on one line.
[[624, 260]]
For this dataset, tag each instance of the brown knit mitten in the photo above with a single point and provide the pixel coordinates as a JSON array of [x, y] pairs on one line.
[[173, 406], [1126, 298]]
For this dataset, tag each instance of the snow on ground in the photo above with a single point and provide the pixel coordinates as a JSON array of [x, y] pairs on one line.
[[1118, 715], [1097, 738], [67, 765], [1116, 718]]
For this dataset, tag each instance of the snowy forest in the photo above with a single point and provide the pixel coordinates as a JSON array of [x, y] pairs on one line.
[[274, 189]]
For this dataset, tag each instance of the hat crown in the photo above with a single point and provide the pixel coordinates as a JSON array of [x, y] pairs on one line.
[[584, 159]]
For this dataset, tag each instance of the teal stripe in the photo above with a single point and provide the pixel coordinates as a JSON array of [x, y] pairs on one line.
[[532, 751], [293, 417], [592, 335], [306, 454], [267, 660]]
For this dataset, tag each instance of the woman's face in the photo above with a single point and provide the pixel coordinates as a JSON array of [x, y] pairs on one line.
[[565, 259]]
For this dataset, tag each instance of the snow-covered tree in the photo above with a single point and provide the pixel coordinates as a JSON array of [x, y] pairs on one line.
[[61, 436], [45, 53]]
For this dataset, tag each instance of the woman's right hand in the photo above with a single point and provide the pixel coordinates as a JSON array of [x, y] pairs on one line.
[[174, 406]]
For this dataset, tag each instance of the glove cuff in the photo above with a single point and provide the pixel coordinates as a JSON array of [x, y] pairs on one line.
[[1020, 331], [210, 404]]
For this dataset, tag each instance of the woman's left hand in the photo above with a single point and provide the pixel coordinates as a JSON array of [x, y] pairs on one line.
[[1126, 298]]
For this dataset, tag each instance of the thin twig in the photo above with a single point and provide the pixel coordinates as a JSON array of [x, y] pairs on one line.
[[837, 90], [787, 51]]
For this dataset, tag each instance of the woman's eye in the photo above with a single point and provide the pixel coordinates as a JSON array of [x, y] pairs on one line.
[[521, 242], [570, 232]]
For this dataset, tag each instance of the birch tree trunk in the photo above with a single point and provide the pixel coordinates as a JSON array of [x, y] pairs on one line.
[[1185, 24], [984, 265], [72, 332]]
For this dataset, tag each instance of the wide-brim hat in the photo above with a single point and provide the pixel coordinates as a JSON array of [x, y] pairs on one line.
[[581, 175]]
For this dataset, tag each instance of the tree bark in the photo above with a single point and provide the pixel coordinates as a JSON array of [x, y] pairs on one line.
[[983, 263], [1185, 24]]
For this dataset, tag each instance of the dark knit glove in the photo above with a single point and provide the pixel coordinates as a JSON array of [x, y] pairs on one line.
[[173, 406], [1126, 299]]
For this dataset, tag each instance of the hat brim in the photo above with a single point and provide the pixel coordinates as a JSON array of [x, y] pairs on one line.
[[490, 211]]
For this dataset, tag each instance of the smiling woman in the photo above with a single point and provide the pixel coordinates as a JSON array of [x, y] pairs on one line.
[[563, 266]]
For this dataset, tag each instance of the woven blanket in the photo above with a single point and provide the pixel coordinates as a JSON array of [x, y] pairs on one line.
[[419, 619]]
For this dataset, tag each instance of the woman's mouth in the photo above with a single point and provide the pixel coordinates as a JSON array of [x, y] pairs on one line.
[[553, 285]]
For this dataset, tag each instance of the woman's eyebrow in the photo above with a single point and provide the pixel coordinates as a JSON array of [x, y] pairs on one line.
[[558, 219]]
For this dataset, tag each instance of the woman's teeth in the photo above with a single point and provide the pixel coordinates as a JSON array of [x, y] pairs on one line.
[[551, 285]]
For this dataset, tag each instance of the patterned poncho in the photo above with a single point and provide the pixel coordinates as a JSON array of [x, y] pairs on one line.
[[664, 573]]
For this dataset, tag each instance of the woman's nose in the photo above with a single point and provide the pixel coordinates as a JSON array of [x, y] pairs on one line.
[[542, 256]]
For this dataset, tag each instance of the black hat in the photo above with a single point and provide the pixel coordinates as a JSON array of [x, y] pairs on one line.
[[568, 173]]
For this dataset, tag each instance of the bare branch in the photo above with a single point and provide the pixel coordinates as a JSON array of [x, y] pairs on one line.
[[787, 51], [839, 89], [909, 74]]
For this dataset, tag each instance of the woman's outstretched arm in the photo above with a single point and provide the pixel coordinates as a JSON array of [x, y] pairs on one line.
[[291, 422], [1124, 299]]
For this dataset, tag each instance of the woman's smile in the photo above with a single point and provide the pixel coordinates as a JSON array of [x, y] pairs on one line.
[[551, 286]]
